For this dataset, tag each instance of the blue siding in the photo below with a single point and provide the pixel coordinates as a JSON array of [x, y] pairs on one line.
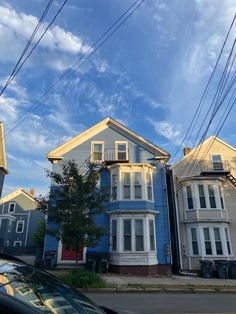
[[51, 243]]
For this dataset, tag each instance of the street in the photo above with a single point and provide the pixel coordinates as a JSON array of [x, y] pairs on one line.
[[155, 303]]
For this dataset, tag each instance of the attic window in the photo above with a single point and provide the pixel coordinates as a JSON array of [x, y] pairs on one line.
[[11, 207], [97, 152], [217, 162], [121, 150]]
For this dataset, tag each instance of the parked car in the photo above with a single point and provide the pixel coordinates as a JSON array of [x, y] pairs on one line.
[[25, 289]]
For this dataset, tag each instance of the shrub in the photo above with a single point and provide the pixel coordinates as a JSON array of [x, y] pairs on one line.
[[81, 278]]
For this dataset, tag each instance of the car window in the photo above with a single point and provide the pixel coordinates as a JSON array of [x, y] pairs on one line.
[[39, 289]]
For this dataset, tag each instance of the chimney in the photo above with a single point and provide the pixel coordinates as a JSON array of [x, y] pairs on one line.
[[186, 150], [32, 192]]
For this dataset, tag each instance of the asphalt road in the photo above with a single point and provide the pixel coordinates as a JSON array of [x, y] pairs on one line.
[[156, 303]]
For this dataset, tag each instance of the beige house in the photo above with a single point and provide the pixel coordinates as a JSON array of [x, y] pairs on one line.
[[205, 189]]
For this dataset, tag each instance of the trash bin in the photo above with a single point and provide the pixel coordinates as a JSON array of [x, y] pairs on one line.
[[102, 262], [222, 269], [91, 261], [232, 268], [50, 259], [206, 268]]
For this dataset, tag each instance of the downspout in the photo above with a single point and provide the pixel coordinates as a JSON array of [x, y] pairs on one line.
[[168, 216]]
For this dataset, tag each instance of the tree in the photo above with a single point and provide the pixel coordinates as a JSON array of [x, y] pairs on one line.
[[39, 234], [74, 202]]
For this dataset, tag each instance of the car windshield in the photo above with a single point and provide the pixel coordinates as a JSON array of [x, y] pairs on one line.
[[41, 290]]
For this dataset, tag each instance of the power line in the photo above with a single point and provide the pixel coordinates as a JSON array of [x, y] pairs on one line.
[[199, 107], [38, 41], [11, 76], [111, 30]]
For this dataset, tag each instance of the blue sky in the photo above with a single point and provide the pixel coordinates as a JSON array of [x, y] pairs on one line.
[[149, 75]]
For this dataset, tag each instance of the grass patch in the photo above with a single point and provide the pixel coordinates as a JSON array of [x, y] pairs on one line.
[[81, 278]]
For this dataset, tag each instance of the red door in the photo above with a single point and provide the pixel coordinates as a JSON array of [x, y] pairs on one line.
[[70, 255]]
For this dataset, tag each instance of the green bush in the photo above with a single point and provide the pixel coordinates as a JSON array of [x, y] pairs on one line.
[[81, 278]]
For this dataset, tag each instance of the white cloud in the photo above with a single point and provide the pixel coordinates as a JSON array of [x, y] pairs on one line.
[[166, 129]]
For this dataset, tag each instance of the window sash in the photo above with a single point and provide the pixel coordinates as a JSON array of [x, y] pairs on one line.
[[218, 244], [212, 198], [126, 185], [149, 186], [11, 208], [151, 235], [97, 150], [122, 151], [189, 197], [221, 197], [114, 187], [194, 241], [114, 235], [227, 241], [217, 162], [202, 198], [127, 234], [139, 243], [207, 240]]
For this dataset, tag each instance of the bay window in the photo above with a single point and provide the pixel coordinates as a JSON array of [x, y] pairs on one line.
[[194, 241], [211, 196], [189, 197], [127, 227], [114, 234], [218, 243], [207, 240], [114, 187], [126, 185], [151, 235], [202, 198], [137, 185], [139, 235], [149, 186]]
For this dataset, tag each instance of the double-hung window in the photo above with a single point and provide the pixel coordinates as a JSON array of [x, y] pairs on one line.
[[217, 163], [114, 234], [127, 185], [194, 241], [11, 207], [114, 187], [137, 185], [127, 230], [121, 150], [97, 151], [149, 186], [151, 235], [221, 197], [20, 226], [139, 246], [202, 198], [227, 241], [212, 198], [207, 240], [189, 197], [218, 244]]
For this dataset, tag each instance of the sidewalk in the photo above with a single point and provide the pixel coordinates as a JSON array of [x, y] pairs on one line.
[[174, 283]]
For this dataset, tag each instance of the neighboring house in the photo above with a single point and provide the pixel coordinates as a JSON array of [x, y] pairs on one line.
[[136, 219], [18, 221], [3, 162], [205, 204]]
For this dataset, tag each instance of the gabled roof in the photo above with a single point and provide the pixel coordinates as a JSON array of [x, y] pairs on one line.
[[58, 153], [208, 140], [3, 161], [16, 193]]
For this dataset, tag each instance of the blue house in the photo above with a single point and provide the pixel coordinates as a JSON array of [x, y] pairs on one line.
[[3, 162], [136, 218], [18, 221]]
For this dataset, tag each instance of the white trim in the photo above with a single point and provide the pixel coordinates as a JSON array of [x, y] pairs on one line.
[[92, 150], [9, 206], [17, 225], [116, 149], [27, 229], [14, 194], [14, 244]]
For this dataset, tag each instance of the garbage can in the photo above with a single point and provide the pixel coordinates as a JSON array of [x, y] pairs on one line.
[[206, 268], [91, 261], [222, 269], [50, 259], [232, 269]]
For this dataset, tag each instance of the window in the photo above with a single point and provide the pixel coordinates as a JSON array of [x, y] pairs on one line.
[[207, 240], [114, 187], [20, 226], [121, 151], [114, 234], [11, 207], [227, 241], [217, 162], [189, 197], [211, 196], [137, 185], [139, 235], [97, 151], [127, 234], [17, 243], [221, 197], [151, 235], [126, 185], [202, 198], [194, 241], [149, 186], [9, 225], [218, 244]]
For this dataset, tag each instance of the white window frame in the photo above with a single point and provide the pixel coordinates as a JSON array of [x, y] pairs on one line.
[[114, 186], [112, 234], [201, 240], [14, 244], [92, 151], [23, 226], [9, 227], [116, 149], [9, 206], [217, 154]]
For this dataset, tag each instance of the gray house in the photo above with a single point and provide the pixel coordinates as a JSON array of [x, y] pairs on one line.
[[18, 222], [3, 162]]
